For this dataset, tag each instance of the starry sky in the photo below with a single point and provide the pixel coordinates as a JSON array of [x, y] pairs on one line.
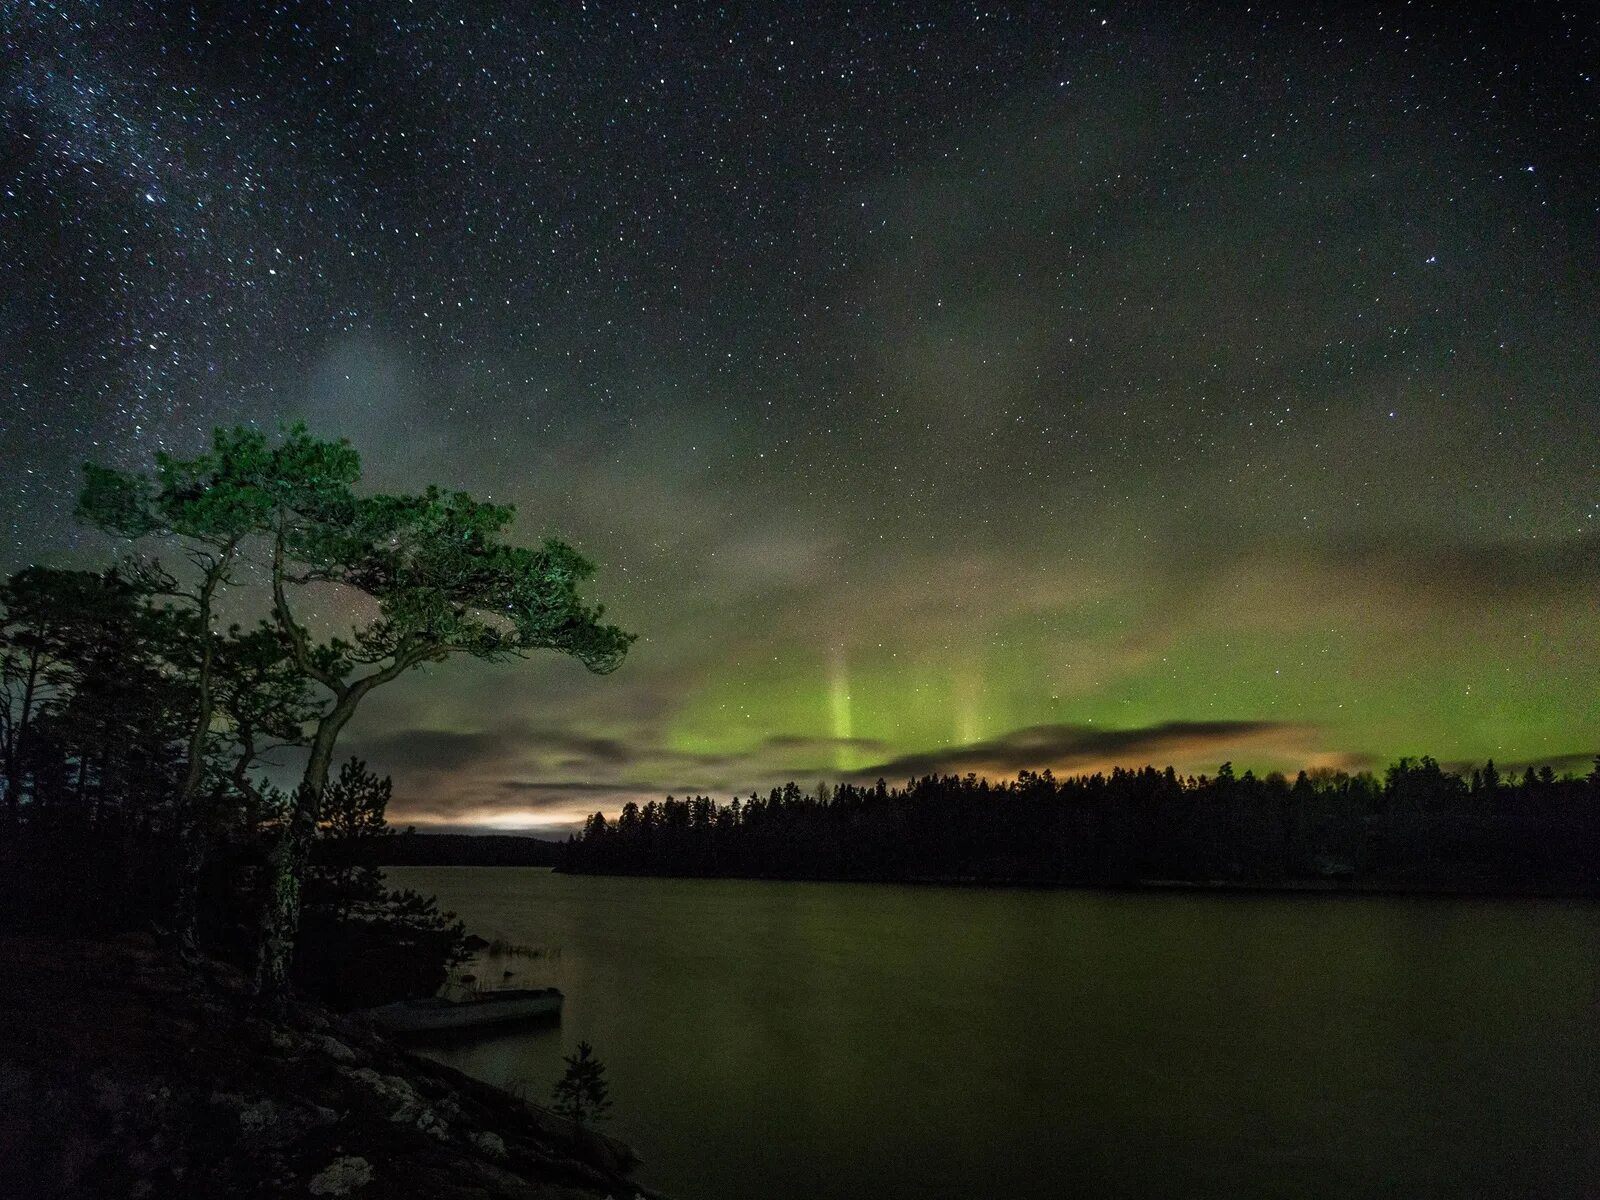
[[939, 387]]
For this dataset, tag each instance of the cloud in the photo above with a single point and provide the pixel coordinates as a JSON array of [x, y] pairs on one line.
[[561, 804], [428, 749], [577, 747], [567, 787], [424, 748], [553, 806], [1082, 748], [447, 750], [819, 745], [1473, 571], [519, 775]]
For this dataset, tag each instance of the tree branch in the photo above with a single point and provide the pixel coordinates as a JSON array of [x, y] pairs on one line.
[[291, 628]]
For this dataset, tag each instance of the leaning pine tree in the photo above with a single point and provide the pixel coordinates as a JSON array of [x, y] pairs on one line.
[[445, 582], [443, 579]]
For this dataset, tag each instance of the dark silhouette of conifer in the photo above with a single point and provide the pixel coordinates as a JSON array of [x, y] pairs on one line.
[[581, 1093]]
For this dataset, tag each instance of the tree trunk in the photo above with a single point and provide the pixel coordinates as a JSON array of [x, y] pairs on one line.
[[192, 834], [181, 935], [278, 921], [15, 733]]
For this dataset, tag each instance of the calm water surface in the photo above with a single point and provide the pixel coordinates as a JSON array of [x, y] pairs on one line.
[[843, 1040]]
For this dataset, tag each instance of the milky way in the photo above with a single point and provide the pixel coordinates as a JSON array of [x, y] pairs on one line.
[[945, 386]]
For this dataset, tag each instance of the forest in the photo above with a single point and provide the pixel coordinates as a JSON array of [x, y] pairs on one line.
[[1417, 827], [169, 721]]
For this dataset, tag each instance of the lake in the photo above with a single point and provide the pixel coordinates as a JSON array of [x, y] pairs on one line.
[[769, 1040]]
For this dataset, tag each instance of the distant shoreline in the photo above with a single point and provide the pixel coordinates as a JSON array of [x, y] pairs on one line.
[[1304, 887], [1308, 887], [417, 849], [1419, 829]]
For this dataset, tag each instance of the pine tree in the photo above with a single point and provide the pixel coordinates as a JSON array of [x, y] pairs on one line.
[[581, 1093]]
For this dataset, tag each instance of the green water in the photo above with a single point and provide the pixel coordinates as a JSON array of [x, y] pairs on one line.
[[777, 1040]]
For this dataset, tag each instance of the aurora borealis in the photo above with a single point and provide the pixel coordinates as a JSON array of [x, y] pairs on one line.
[[939, 387]]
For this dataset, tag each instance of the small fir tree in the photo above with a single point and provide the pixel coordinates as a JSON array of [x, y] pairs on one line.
[[581, 1093]]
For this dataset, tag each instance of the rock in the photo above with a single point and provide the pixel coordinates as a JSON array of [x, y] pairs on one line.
[[179, 1102], [600, 1150], [424, 1118], [14, 1081], [109, 1095], [258, 1118], [273, 1038], [341, 1177], [333, 1048], [491, 1144], [265, 1123], [389, 1088], [404, 1106]]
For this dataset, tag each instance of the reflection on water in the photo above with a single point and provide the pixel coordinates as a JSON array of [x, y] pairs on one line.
[[853, 1040]]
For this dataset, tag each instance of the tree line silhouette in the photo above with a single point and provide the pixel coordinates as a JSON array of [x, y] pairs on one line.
[[412, 849], [139, 726], [1418, 826]]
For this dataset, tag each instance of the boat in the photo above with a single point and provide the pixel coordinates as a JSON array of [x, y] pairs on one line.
[[440, 1015]]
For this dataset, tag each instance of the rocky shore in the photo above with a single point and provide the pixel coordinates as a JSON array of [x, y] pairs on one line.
[[123, 1075]]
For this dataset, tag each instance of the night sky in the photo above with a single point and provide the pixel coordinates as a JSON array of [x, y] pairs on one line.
[[968, 387]]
